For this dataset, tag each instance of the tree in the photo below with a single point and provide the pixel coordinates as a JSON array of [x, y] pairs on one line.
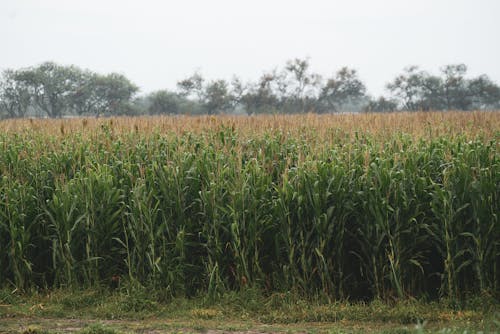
[[192, 86], [97, 94], [484, 92], [15, 97], [83, 99], [163, 102], [51, 86], [302, 82], [431, 93], [261, 97], [342, 89], [418, 90], [381, 105], [238, 89], [216, 97], [456, 94], [112, 92], [407, 88]]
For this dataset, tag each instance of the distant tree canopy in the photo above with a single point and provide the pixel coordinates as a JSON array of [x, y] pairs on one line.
[[53, 90], [418, 90], [163, 102]]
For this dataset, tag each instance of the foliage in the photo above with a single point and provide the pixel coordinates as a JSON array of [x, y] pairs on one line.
[[345, 88], [381, 105], [55, 91], [103, 94], [163, 102], [15, 96], [50, 85], [418, 90]]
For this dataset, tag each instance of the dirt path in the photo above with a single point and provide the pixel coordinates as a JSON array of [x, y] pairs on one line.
[[160, 326]]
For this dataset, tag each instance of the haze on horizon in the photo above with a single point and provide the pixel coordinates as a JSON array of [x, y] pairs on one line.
[[155, 43]]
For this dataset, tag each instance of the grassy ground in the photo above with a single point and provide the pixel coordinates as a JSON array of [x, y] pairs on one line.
[[92, 311]]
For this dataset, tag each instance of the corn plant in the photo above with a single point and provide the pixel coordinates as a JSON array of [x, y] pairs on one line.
[[307, 204]]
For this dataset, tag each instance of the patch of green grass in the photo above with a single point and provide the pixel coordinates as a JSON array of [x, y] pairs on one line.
[[81, 299], [8, 297], [97, 329]]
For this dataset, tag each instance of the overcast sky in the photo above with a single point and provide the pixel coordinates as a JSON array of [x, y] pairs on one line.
[[157, 43]]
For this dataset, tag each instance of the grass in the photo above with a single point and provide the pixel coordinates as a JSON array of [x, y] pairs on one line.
[[91, 311]]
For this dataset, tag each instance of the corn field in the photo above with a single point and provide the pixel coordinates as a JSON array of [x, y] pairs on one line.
[[357, 207]]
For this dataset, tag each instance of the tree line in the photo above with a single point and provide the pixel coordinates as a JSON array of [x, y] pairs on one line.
[[53, 90]]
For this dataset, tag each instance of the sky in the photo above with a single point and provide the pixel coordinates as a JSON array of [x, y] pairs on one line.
[[157, 43]]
